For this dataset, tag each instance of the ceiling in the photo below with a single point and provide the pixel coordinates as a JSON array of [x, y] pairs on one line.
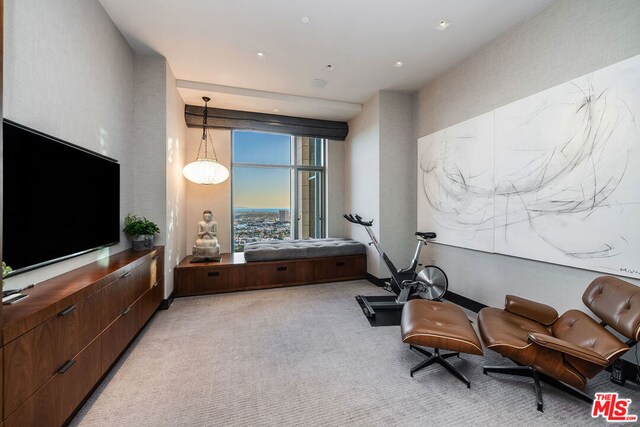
[[212, 45]]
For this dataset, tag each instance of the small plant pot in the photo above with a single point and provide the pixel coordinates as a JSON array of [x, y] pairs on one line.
[[143, 242]]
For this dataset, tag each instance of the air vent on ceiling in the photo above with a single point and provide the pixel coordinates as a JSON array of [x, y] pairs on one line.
[[319, 82]]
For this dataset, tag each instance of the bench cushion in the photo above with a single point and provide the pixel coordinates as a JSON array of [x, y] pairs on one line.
[[271, 250], [439, 325]]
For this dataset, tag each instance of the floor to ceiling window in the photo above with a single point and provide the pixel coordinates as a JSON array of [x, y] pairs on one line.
[[278, 187]]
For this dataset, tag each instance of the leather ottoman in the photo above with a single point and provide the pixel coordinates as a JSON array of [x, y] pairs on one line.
[[442, 326]]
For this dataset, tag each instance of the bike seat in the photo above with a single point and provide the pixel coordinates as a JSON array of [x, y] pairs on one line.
[[426, 235]]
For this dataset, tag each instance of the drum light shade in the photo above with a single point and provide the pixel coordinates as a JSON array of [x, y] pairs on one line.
[[206, 170]]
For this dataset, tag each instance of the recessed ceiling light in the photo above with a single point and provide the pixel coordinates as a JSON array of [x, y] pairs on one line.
[[442, 24], [305, 19], [261, 54], [398, 64]]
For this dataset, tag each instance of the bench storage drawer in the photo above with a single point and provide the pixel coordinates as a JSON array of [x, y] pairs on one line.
[[351, 267]]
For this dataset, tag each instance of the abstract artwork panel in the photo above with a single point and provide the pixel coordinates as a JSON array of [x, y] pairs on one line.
[[568, 173], [553, 177], [455, 184]]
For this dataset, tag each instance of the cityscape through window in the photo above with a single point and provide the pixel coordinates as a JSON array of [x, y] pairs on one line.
[[278, 187]]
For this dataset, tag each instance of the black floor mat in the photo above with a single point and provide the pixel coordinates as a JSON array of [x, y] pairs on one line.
[[384, 316]]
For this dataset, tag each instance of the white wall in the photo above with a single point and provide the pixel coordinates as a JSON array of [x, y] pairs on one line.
[[379, 181], [68, 72], [216, 198], [159, 152], [149, 141], [569, 39], [335, 223], [362, 177], [397, 179], [176, 209]]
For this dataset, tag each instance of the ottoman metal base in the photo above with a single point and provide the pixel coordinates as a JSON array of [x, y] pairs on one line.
[[440, 359]]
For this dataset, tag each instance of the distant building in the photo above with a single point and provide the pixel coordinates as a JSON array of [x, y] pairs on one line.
[[284, 215]]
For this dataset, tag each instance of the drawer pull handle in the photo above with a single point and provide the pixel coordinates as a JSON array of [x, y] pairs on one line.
[[340, 264], [156, 284], [124, 313], [67, 366], [281, 268], [127, 274], [67, 311], [213, 273]]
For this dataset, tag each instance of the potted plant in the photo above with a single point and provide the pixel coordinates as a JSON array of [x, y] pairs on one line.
[[5, 270], [141, 231]]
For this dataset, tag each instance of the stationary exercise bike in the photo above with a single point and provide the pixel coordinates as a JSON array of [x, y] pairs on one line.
[[431, 283]]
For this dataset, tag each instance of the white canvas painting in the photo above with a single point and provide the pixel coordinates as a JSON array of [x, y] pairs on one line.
[[553, 177], [455, 184], [568, 173]]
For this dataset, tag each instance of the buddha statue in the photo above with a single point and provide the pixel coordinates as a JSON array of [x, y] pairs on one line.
[[207, 247]]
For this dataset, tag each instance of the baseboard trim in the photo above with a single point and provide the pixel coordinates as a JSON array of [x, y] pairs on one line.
[[460, 300], [166, 303], [463, 301]]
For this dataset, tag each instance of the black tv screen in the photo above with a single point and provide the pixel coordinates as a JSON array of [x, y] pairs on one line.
[[60, 200]]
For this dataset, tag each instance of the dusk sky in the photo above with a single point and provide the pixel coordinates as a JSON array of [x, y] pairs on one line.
[[261, 187]]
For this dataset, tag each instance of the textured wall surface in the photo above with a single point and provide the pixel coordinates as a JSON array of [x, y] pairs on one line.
[[379, 184], [69, 73], [149, 140], [397, 180], [176, 209], [362, 177], [335, 189], [567, 40]]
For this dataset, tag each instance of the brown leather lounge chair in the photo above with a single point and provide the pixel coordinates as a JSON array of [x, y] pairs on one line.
[[563, 351]]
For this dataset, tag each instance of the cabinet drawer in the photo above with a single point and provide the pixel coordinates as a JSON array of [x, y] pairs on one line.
[[119, 295], [120, 333], [199, 281], [340, 268], [35, 357], [274, 274], [150, 276], [151, 301], [58, 398]]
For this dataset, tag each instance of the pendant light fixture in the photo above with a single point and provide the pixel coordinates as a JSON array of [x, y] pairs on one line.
[[205, 169]]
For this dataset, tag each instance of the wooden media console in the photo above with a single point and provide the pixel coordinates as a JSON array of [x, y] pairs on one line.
[[61, 341]]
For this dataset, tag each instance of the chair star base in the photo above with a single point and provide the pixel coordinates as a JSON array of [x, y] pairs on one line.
[[526, 371]]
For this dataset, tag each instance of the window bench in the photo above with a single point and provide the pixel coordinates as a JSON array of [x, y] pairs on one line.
[[234, 273]]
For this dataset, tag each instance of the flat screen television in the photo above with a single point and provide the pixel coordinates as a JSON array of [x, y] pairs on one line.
[[59, 200]]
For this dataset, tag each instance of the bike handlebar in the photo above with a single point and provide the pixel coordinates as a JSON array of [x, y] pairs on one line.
[[357, 219]]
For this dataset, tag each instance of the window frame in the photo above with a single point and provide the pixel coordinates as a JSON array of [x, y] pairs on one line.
[[294, 170]]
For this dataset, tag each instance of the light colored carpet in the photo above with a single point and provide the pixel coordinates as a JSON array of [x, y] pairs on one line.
[[306, 356]]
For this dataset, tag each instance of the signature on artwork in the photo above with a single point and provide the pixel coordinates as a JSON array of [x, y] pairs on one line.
[[630, 271]]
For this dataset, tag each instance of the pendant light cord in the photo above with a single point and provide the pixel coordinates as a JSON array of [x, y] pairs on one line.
[[206, 138]]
